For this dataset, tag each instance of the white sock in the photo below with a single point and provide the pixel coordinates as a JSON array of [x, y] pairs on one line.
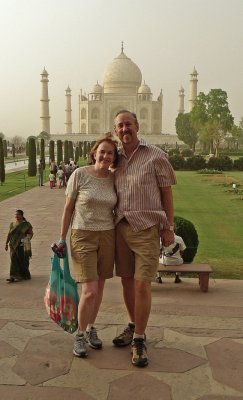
[[137, 336]]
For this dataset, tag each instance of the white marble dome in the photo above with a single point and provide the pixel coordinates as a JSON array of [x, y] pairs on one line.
[[144, 89], [97, 88], [122, 75]]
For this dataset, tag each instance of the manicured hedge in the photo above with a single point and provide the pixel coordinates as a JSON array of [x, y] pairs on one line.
[[187, 231]]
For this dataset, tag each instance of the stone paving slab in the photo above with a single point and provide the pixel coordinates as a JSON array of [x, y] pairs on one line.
[[195, 339]]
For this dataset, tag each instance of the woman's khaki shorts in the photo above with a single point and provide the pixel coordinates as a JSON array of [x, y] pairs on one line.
[[137, 253], [92, 254]]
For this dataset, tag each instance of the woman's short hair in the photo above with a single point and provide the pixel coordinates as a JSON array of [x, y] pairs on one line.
[[108, 138]]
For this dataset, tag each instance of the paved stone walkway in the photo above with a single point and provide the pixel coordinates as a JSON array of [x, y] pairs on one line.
[[195, 339]]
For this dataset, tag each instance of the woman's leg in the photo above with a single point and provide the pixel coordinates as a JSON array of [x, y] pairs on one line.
[[89, 303], [97, 302]]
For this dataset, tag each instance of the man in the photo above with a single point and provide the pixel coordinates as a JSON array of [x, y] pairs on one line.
[[143, 214], [40, 172]]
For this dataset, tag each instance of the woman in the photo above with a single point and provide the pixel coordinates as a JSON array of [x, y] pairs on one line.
[[19, 236], [89, 204]]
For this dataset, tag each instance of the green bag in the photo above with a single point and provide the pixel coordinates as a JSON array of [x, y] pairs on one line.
[[61, 296]]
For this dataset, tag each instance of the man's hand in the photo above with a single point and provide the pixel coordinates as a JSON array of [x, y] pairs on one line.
[[167, 237]]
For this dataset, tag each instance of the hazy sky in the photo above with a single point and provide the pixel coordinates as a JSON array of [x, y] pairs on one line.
[[75, 40]]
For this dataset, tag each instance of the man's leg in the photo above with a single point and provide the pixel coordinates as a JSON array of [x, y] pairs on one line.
[[142, 305], [142, 311]]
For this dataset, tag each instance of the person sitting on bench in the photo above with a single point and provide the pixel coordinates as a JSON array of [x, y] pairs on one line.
[[172, 255]]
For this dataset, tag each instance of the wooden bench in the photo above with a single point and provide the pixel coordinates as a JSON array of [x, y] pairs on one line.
[[203, 271]]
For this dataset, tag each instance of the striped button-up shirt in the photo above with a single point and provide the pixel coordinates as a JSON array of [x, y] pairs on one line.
[[138, 181]]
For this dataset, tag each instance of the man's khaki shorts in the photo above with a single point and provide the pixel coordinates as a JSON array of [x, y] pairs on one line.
[[137, 253], [92, 254]]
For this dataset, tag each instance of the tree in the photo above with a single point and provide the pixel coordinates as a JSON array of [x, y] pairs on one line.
[[70, 150], [2, 166], [66, 158], [59, 152], [185, 130], [85, 149], [32, 167], [234, 137], [76, 158], [18, 142], [38, 148], [80, 145], [13, 150], [212, 117], [52, 150], [1, 135], [5, 148], [42, 153]]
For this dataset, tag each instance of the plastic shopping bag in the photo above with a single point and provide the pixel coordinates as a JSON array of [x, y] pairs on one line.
[[61, 296]]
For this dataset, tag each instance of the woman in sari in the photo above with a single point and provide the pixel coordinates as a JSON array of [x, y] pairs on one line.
[[18, 239]]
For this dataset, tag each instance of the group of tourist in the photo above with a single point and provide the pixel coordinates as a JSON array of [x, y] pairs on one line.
[[119, 208], [58, 175]]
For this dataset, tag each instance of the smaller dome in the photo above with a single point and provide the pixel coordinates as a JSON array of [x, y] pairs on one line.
[[144, 89], [97, 88], [194, 72], [44, 72]]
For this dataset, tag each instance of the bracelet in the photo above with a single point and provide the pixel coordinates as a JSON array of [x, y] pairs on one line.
[[61, 241]]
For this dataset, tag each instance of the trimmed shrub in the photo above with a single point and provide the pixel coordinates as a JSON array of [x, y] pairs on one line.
[[76, 157], [177, 162], [5, 148], [42, 153], [80, 146], [238, 164], [195, 163], [85, 149], [206, 171], [52, 150], [2, 166], [70, 150], [187, 231], [32, 167], [187, 153], [66, 158], [173, 152], [222, 163], [59, 152], [38, 148]]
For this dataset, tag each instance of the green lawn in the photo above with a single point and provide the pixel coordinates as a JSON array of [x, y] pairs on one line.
[[218, 217], [18, 182]]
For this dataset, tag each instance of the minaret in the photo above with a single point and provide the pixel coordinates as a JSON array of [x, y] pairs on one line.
[[45, 117], [68, 111], [181, 108], [193, 88]]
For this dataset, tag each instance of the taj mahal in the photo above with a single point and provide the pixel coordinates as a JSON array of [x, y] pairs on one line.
[[122, 88]]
